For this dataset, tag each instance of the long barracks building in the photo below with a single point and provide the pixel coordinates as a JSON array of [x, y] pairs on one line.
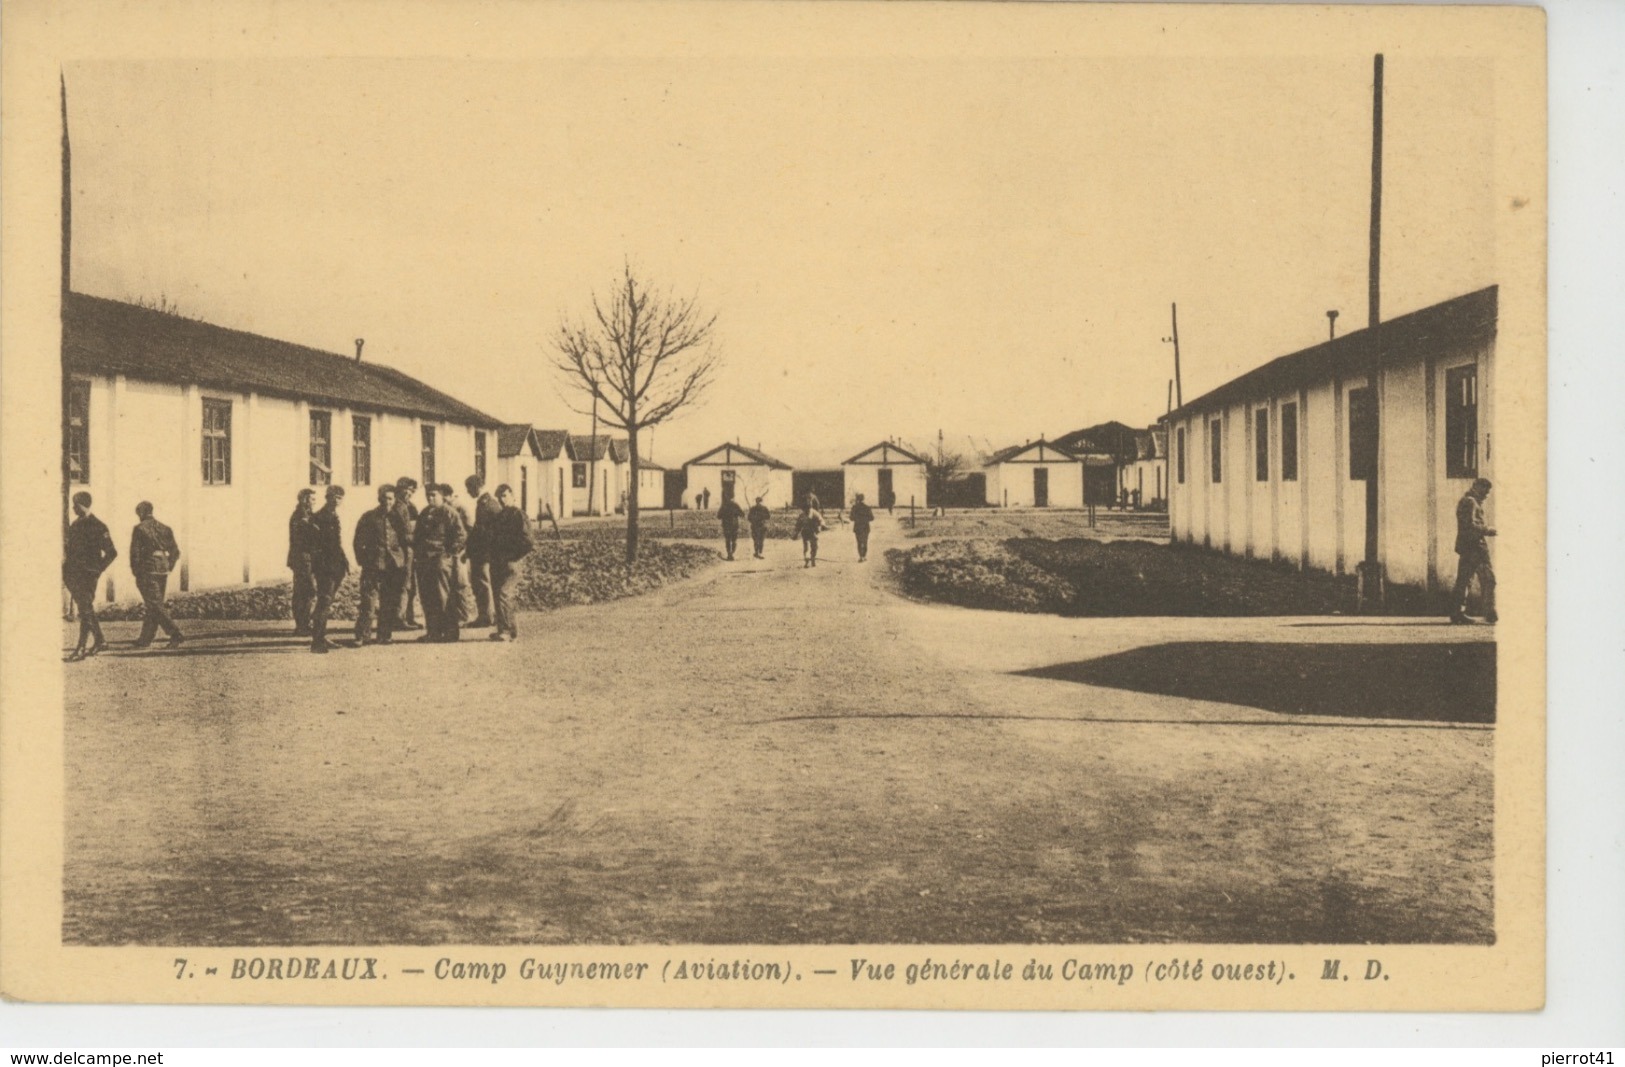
[[1273, 464], [220, 429]]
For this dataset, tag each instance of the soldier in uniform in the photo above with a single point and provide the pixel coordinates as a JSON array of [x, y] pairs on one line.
[[1474, 553], [380, 552], [438, 539], [730, 513], [863, 517], [153, 554], [507, 545], [480, 576], [88, 552], [758, 517], [406, 517], [329, 565], [301, 538]]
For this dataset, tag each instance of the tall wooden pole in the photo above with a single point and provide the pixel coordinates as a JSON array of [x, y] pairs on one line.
[[1371, 592], [1179, 386]]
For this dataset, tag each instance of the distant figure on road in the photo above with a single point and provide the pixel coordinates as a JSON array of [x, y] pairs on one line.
[[758, 516], [705, 499], [807, 528], [153, 554], [88, 552], [436, 543], [380, 552], [301, 542], [730, 513], [329, 564], [406, 514], [507, 546], [1474, 550], [862, 518]]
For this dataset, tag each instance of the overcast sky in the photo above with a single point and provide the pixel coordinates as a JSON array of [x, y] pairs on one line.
[[890, 246]]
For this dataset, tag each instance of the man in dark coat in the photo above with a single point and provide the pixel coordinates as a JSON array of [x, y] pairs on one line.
[[758, 516], [862, 517], [153, 554], [1474, 553], [437, 541], [88, 552], [480, 578], [381, 555], [730, 513], [406, 517], [508, 543], [329, 565], [301, 538]]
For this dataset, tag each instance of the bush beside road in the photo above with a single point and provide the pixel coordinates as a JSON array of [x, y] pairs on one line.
[[557, 574]]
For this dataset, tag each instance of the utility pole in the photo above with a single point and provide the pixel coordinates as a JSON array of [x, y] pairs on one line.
[[1179, 386], [592, 454], [1170, 396], [1371, 577]]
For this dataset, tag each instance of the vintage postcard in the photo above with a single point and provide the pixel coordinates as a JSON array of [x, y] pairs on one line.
[[933, 505]]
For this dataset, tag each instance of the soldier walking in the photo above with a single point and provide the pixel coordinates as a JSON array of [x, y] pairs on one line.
[[89, 551], [380, 552], [301, 540], [862, 517], [508, 543], [1474, 554], [329, 565], [438, 539], [758, 516], [730, 513], [153, 554]]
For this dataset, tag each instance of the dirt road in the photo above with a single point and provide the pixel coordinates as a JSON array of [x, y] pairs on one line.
[[765, 753]]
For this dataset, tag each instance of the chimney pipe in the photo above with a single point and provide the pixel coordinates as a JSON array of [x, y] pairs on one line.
[[359, 341]]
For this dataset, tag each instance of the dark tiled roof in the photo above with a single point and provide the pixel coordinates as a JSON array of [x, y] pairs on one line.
[[511, 439], [885, 448], [751, 455], [586, 447], [108, 337], [1111, 438], [552, 442], [1463, 320]]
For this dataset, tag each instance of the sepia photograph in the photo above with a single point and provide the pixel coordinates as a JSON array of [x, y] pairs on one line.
[[936, 505]]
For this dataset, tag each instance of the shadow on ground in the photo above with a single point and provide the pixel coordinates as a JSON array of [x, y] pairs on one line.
[[1427, 682]]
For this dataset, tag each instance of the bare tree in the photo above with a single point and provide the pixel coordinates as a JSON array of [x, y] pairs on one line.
[[642, 356]]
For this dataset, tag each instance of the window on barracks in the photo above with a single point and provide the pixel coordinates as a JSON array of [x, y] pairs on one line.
[[479, 455], [360, 450], [578, 475], [1179, 453], [1461, 422], [428, 455], [321, 448], [1216, 433], [217, 442], [77, 429], [1261, 443], [1362, 434], [1289, 442]]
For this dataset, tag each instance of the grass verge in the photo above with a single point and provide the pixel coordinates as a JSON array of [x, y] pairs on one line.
[[557, 574]]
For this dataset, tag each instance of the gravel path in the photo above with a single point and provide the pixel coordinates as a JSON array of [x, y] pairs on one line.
[[765, 753]]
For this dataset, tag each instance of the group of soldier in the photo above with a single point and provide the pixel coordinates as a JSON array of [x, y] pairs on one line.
[[89, 551], [408, 557], [809, 524], [434, 558]]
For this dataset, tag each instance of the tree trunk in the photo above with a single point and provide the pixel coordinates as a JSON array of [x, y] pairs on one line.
[[632, 496]]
